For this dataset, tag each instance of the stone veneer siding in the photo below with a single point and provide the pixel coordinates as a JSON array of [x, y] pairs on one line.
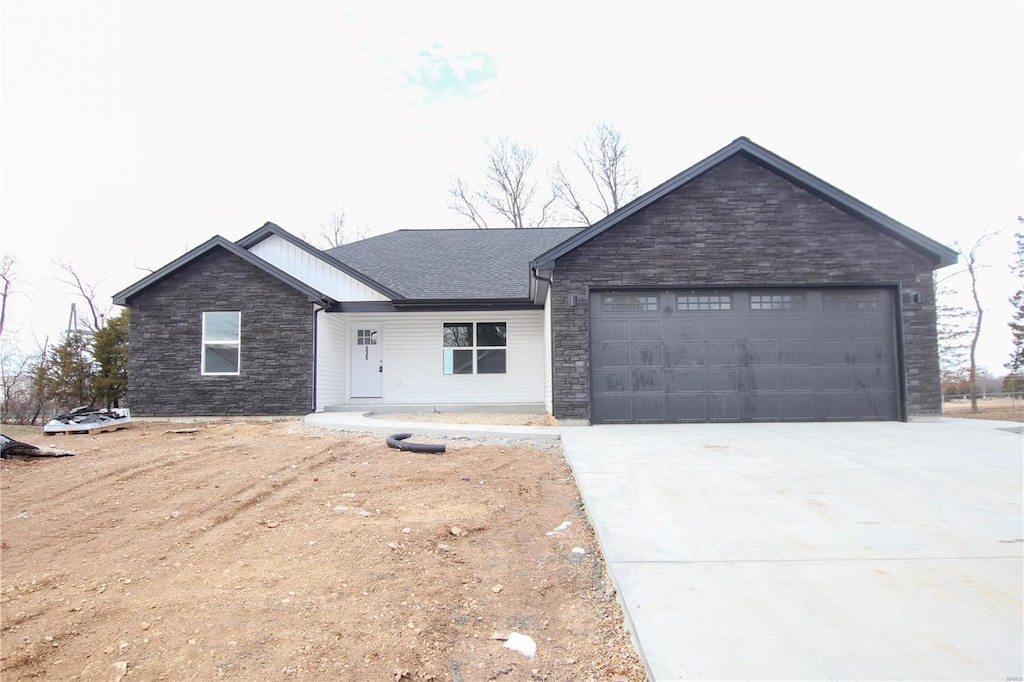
[[741, 225], [165, 340]]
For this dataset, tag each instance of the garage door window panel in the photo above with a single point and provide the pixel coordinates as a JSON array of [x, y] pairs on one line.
[[709, 302], [778, 301], [619, 303], [851, 300]]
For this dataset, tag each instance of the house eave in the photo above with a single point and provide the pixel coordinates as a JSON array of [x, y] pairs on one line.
[[433, 305]]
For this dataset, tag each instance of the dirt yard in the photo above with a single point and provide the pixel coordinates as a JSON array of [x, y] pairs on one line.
[[1005, 409], [271, 550]]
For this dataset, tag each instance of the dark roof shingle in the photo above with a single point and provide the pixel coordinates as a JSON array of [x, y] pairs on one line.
[[453, 264]]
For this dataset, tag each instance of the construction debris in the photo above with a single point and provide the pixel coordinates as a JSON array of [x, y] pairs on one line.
[[89, 420], [13, 449]]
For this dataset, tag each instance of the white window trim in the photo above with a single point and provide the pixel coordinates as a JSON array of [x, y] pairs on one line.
[[221, 344]]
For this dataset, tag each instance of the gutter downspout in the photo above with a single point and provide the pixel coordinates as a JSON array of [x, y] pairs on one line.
[[318, 307], [551, 332], [534, 275]]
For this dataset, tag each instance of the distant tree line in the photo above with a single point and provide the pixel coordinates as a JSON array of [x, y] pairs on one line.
[[87, 366]]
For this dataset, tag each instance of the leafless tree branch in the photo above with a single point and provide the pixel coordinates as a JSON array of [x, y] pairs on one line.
[[459, 201], [7, 275], [88, 292], [603, 156], [565, 193], [510, 190], [972, 267]]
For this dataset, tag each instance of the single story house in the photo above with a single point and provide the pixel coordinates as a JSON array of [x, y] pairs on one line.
[[742, 289]]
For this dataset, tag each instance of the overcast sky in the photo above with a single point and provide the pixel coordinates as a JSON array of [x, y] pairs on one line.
[[132, 132]]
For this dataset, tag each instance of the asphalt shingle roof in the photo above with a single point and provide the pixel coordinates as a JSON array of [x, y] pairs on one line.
[[453, 264]]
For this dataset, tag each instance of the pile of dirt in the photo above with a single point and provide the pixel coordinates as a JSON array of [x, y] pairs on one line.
[[270, 550]]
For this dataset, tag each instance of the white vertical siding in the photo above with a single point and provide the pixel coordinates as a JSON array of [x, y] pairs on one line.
[[331, 359], [549, 402], [413, 369], [307, 268]]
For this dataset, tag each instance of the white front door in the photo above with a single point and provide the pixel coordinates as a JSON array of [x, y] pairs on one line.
[[367, 362]]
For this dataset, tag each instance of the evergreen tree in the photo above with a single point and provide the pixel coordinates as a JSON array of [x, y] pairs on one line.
[[1016, 363], [110, 350], [69, 372]]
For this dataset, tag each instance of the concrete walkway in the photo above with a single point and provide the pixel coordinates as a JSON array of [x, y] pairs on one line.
[[358, 421], [875, 551]]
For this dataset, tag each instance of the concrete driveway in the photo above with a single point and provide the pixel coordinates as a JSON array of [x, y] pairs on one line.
[[874, 551]]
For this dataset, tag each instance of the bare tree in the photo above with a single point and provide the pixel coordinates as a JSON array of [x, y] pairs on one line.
[[976, 312], [14, 387], [953, 333], [611, 179], [460, 200], [511, 190], [335, 231], [88, 293], [7, 276]]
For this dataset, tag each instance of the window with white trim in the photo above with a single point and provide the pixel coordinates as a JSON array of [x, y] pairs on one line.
[[222, 342], [474, 347]]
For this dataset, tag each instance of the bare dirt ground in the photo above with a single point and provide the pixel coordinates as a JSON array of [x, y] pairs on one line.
[[271, 550], [1005, 409]]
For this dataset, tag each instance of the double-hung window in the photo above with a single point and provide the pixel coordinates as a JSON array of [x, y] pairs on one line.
[[222, 342], [474, 347]]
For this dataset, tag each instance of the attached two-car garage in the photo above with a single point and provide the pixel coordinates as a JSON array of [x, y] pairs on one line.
[[709, 355]]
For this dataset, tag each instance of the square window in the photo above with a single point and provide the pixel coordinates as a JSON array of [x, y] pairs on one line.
[[490, 361], [458, 361], [490, 334], [474, 347], [458, 334]]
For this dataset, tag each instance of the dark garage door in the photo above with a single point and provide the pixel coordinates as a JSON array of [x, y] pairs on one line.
[[743, 355]]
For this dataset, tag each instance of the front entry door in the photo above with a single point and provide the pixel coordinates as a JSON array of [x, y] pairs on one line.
[[367, 363]]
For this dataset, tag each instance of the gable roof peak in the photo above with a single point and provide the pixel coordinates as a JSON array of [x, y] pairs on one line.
[[940, 254], [218, 242]]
